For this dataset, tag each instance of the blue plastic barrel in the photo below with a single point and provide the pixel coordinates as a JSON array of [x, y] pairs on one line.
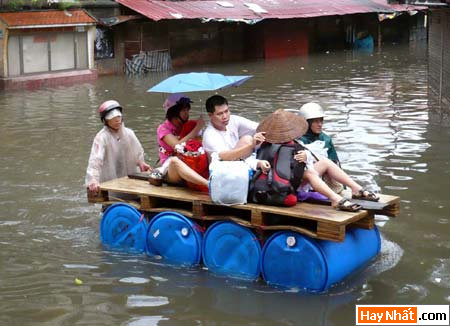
[[123, 228], [290, 259], [231, 249], [175, 238]]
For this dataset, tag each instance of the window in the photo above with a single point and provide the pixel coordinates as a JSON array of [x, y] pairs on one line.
[[62, 49], [43, 52], [35, 53], [13, 56], [81, 53]]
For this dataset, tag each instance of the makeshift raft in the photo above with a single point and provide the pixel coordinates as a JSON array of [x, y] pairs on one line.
[[308, 245]]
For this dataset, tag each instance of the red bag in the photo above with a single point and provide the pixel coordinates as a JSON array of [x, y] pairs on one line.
[[197, 163], [187, 127]]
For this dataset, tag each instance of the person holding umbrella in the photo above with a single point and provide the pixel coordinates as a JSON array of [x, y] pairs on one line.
[[169, 136], [175, 130], [205, 81]]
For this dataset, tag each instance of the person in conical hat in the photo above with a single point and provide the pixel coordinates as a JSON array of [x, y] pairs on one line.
[[282, 127]]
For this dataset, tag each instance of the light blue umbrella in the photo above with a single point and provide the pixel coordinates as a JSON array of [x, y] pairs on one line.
[[197, 81]]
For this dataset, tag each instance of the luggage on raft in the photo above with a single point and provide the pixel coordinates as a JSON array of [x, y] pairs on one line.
[[287, 259], [277, 186]]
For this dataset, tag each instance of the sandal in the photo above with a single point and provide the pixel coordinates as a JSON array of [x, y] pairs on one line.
[[346, 205], [365, 194], [156, 178]]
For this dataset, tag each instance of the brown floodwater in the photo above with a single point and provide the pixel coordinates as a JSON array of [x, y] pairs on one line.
[[389, 136]]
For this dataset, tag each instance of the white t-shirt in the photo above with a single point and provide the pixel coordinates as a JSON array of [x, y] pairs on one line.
[[216, 141]]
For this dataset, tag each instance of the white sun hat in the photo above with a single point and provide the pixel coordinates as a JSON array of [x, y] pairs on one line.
[[113, 113]]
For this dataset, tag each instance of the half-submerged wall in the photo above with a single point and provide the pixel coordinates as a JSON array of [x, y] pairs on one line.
[[191, 42], [439, 54]]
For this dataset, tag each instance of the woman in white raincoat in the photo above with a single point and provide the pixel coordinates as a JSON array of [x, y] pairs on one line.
[[116, 151]]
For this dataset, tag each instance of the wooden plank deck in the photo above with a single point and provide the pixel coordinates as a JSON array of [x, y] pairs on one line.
[[387, 205], [316, 221]]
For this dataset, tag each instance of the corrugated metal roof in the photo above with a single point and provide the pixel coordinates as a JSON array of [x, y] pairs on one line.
[[46, 18], [258, 9]]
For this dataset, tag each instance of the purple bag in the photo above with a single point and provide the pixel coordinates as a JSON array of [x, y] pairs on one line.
[[311, 195]]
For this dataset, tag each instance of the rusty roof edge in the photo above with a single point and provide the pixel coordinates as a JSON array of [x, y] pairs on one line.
[[232, 20], [168, 7], [164, 5], [138, 10], [393, 7]]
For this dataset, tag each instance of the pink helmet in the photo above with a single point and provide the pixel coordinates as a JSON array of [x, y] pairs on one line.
[[174, 99], [106, 107]]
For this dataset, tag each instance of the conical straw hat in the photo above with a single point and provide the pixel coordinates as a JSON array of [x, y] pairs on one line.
[[283, 126]]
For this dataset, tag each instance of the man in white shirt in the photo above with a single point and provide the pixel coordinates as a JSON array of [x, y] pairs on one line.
[[231, 137]]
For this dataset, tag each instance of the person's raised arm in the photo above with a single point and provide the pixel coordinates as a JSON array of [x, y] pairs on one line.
[[172, 140], [244, 147], [236, 153]]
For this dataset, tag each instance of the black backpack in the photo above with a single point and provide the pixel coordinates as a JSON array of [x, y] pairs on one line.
[[279, 185]]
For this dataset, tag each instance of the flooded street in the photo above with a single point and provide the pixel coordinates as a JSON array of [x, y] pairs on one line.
[[388, 134]]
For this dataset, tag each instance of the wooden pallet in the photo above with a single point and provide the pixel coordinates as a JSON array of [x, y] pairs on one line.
[[316, 221], [387, 205]]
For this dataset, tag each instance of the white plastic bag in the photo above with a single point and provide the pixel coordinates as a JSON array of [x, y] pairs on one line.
[[228, 182], [317, 147]]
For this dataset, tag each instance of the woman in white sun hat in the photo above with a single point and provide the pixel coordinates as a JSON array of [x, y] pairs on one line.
[[317, 139], [314, 115]]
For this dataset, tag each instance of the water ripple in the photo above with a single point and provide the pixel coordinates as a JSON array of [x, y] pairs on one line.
[[146, 301], [387, 137]]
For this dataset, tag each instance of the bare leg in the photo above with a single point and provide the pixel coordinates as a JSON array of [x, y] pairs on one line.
[[179, 171], [320, 186], [327, 166]]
